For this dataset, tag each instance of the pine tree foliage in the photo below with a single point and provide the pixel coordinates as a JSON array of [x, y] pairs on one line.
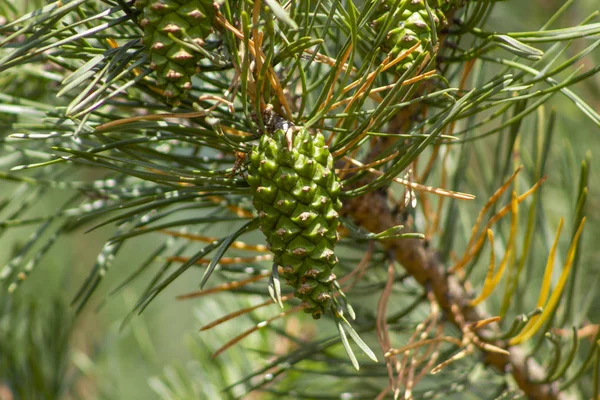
[[34, 343], [347, 132]]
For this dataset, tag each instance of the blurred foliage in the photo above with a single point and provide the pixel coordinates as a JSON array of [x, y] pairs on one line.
[[34, 343]]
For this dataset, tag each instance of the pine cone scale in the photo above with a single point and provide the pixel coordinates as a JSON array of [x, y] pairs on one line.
[[175, 63], [413, 25], [296, 194]]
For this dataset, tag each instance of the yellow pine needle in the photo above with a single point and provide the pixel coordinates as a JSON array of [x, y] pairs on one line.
[[223, 287], [234, 132], [443, 183], [488, 285], [260, 57], [136, 71], [240, 212], [354, 141], [372, 92], [208, 239], [375, 163], [254, 48], [421, 343], [151, 117], [461, 354], [323, 59], [255, 328], [387, 65], [113, 45], [416, 186], [402, 56], [223, 260], [243, 311], [493, 349], [256, 35], [535, 324], [491, 201], [384, 67], [356, 96], [547, 280], [484, 322], [503, 211], [340, 68], [545, 291], [509, 256]]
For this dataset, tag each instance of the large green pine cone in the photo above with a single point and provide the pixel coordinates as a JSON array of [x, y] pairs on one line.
[[414, 25], [296, 194], [175, 64]]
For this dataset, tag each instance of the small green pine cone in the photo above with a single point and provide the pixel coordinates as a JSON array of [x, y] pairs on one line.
[[296, 194], [175, 63], [414, 25]]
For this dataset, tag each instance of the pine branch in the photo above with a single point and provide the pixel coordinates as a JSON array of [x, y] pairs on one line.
[[423, 263], [348, 72]]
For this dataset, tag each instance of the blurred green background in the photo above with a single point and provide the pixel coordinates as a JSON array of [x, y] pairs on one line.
[[112, 363]]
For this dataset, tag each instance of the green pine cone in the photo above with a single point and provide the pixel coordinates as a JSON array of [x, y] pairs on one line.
[[296, 195], [414, 25], [175, 63]]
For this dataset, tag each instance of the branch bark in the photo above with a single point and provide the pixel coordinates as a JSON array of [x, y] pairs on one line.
[[423, 263], [419, 260]]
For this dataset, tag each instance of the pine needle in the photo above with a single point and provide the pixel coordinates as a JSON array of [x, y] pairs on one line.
[[491, 280], [550, 307], [470, 254], [255, 328], [237, 313], [223, 287], [414, 185]]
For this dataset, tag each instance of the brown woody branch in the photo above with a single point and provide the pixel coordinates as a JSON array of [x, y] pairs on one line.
[[372, 213]]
